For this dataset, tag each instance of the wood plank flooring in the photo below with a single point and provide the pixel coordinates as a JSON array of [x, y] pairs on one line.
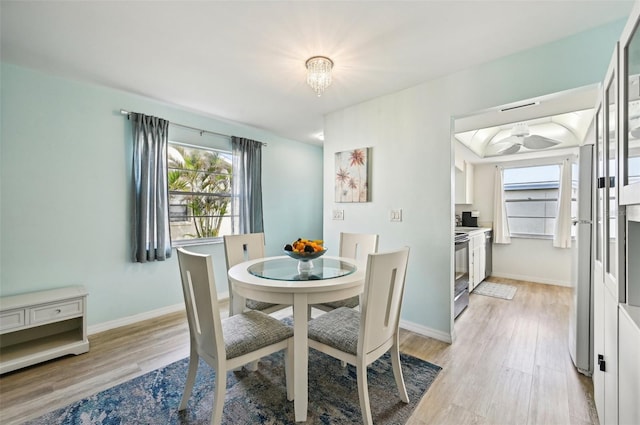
[[509, 364]]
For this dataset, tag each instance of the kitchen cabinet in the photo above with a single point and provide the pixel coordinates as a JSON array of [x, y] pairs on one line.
[[629, 365], [477, 259], [464, 183], [477, 255]]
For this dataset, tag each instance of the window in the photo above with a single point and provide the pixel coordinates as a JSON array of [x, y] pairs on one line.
[[531, 199], [200, 193]]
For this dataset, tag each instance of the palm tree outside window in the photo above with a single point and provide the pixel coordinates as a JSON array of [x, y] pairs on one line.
[[200, 193]]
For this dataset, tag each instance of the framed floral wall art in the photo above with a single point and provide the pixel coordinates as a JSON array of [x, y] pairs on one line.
[[352, 175]]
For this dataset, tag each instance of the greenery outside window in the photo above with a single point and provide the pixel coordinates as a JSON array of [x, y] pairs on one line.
[[531, 199], [200, 193]]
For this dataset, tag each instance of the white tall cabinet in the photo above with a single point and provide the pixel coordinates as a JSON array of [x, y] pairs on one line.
[[607, 267], [616, 376]]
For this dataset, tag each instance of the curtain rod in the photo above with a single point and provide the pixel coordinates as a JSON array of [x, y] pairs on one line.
[[128, 114]]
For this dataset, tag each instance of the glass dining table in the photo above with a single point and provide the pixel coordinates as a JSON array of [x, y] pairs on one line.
[[277, 280]]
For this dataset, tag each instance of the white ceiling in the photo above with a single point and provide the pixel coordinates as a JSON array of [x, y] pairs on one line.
[[244, 61], [566, 130], [573, 109]]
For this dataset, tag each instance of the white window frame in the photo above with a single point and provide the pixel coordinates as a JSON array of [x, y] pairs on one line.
[[230, 225], [538, 185]]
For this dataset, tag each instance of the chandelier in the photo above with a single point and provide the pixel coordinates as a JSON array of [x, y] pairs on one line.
[[319, 73]]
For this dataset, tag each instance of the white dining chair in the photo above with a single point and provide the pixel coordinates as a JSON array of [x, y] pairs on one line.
[[356, 246], [245, 247], [361, 337], [225, 344]]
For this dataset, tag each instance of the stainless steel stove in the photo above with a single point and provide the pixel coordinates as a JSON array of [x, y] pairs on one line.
[[461, 267]]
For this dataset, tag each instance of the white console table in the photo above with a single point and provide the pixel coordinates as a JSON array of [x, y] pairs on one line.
[[40, 326]]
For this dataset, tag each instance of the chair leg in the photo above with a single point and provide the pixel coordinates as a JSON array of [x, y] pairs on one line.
[[288, 369], [219, 393], [363, 394], [397, 373], [191, 378], [231, 307]]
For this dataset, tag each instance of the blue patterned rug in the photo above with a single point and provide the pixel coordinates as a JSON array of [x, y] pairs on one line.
[[253, 397]]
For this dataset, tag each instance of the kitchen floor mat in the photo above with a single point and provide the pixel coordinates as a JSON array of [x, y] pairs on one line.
[[496, 290]]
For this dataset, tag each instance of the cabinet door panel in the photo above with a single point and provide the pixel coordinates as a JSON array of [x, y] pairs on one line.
[[629, 368], [630, 112], [613, 232], [600, 207], [611, 357], [598, 346]]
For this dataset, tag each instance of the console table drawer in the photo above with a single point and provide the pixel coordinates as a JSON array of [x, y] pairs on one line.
[[11, 320], [52, 312]]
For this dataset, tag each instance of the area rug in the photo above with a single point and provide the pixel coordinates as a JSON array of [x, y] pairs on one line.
[[496, 290], [254, 397]]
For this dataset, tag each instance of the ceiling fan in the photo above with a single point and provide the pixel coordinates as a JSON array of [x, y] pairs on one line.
[[520, 136]]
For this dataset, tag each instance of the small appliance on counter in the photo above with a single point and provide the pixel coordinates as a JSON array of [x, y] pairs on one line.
[[470, 218]]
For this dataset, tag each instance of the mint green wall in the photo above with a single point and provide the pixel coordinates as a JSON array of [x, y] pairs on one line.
[[65, 186], [412, 157]]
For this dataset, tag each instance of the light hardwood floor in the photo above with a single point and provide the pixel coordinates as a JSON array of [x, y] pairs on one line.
[[508, 365]]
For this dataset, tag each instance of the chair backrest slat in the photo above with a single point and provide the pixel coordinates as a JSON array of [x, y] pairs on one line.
[[201, 302], [358, 246], [245, 247], [382, 298]]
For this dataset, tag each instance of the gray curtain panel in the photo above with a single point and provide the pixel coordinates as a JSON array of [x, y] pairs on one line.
[[151, 237], [247, 183]]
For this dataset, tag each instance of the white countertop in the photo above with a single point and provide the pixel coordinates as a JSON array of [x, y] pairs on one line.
[[473, 230]]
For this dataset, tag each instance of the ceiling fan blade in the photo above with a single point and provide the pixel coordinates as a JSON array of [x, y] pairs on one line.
[[539, 142], [503, 148], [510, 140], [509, 150]]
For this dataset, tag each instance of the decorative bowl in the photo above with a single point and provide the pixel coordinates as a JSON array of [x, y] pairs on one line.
[[305, 256]]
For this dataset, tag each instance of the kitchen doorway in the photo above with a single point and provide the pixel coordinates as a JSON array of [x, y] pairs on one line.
[[500, 138]]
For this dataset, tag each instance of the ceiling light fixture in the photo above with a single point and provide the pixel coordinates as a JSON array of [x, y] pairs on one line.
[[319, 73]]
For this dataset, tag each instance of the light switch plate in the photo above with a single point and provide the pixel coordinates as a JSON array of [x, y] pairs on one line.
[[396, 215], [338, 214]]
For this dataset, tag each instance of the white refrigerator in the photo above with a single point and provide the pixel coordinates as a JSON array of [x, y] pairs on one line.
[[581, 311]]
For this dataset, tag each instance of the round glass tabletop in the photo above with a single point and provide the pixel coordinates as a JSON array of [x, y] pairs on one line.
[[290, 269]]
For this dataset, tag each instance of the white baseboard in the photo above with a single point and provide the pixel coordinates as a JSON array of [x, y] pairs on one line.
[[129, 320], [535, 279], [425, 331]]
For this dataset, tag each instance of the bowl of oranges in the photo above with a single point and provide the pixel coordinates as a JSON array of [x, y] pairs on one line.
[[305, 249]]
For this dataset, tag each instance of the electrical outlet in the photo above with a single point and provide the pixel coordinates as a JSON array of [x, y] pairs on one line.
[[396, 215], [338, 214]]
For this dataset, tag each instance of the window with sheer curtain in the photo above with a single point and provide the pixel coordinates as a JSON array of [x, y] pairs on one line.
[[531, 199]]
